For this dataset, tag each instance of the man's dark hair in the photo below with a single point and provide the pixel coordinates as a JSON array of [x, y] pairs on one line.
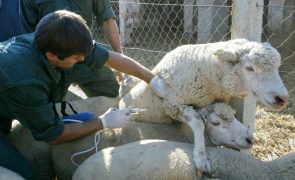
[[63, 33]]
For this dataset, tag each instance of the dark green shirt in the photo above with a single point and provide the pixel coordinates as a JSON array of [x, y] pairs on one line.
[[31, 11], [26, 81]]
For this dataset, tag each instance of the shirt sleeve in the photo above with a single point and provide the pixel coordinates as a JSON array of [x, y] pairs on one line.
[[102, 10], [98, 57], [30, 105]]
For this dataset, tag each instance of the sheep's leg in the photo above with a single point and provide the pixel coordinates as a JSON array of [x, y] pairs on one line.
[[188, 115], [199, 152]]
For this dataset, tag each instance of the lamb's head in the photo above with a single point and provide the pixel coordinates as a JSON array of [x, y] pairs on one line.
[[258, 65], [224, 129]]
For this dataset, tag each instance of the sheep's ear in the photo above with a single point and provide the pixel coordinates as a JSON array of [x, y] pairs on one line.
[[204, 113], [227, 55], [267, 46]]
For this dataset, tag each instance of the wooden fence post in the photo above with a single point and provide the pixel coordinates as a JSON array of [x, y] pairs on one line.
[[276, 15], [205, 16], [247, 23], [188, 16], [128, 17]]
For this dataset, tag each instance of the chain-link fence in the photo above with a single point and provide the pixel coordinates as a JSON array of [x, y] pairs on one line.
[[161, 25], [154, 27], [279, 30]]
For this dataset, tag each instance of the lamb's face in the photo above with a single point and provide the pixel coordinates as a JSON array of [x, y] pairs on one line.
[[224, 129], [261, 76]]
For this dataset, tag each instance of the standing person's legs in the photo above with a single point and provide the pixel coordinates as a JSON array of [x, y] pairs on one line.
[[96, 82], [10, 157], [105, 84], [9, 18]]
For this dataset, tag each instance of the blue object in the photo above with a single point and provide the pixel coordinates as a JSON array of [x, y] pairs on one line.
[[79, 117], [9, 18]]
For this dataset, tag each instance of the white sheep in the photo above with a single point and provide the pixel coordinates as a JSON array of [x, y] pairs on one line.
[[221, 126], [202, 74], [126, 84], [8, 174], [158, 159]]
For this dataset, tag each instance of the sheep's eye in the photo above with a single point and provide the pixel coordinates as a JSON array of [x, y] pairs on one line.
[[216, 123], [250, 69]]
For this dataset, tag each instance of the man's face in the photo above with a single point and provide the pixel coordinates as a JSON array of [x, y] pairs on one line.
[[67, 62]]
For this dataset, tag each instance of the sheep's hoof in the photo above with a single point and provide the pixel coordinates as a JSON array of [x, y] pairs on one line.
[[203, 168], [201, 174]]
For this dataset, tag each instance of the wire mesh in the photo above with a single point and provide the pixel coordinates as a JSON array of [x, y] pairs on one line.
[[279, 30]]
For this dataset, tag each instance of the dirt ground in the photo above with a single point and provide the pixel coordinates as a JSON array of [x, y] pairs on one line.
[[274, 134]]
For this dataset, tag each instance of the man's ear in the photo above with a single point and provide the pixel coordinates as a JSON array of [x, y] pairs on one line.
[[227, 55], [50, 56]]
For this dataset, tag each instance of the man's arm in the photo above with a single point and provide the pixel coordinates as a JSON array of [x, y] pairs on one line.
[[30, 105], [77, 130], [125, 64], [105, 17], [112, 118], [111, 32]]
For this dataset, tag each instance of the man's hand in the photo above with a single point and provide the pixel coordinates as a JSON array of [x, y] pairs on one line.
[[159, 86], [116, 118]]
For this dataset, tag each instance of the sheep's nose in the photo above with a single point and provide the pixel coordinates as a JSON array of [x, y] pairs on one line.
[[281, 100], [249, 140]]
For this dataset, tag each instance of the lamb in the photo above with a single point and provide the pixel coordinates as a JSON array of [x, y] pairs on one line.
[[8, 174], [221, 126], [202, 74], [160, 159]]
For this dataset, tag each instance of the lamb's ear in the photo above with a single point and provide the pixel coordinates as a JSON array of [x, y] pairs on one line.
[[227, 55]]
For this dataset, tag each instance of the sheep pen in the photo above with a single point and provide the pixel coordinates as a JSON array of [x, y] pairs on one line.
[[274, 133], [283, 132]]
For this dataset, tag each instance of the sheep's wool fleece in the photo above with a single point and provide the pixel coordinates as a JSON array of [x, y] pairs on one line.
[[148, 159], [159, 159]]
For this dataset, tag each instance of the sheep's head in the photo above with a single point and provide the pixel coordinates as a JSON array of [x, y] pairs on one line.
[[224, 129], [127, 83], [261, 77], [258, 64]]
